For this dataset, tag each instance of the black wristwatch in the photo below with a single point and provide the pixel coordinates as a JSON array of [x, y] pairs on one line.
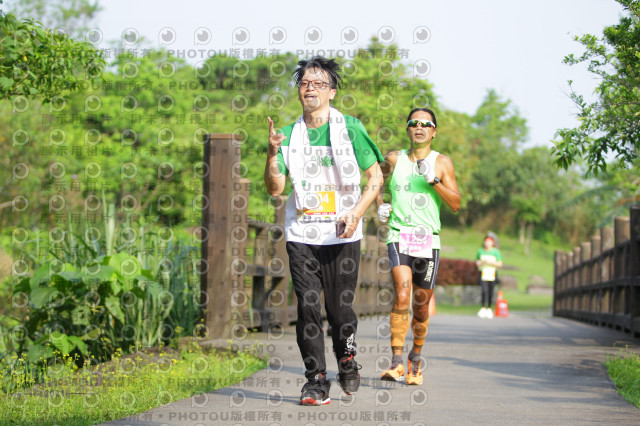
[[435, 180]]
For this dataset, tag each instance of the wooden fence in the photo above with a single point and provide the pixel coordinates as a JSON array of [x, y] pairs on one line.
[[245, 278], [599, 281]]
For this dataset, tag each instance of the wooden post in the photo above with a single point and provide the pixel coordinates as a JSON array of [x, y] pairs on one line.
[[562, 284], [634, 236], [569, 274], [239, 237], [567, 260], [606, 239], [585, 277], [622, 234], [585, 257], [619, 296], [576, 267], [596, 250], [575, 273], [557, 271], [220, 154], [564, 259], [634, 268], [596, 246], [596, 276]]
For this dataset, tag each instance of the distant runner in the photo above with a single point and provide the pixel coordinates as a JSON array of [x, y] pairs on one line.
[[488, 259]]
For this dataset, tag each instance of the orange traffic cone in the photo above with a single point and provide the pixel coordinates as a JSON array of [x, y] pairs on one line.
[[432, 305], [502, 306]]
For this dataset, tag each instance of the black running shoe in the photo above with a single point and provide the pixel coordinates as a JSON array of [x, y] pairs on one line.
[[348, 375], [316, 391]]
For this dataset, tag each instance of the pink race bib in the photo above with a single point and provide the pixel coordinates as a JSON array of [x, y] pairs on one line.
[[416, 241]]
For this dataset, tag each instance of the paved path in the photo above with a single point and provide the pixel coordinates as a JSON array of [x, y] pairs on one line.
[[523, 369]]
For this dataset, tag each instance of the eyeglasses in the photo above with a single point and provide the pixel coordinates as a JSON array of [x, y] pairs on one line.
[[423, 123], [320, 85]]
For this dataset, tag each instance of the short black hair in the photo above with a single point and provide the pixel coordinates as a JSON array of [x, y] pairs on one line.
[[329, 65], [433, 114]]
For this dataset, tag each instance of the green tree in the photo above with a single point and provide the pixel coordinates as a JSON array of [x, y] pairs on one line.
[[36, 62], [496, 131], [614, 191], [71, 16], [609, 125], [138, 134], [537, 191]]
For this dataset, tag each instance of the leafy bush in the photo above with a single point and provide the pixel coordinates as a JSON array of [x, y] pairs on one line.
[[89, 297], [457, 271], [108, 305]]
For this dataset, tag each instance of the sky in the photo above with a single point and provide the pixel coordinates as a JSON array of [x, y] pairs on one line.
[[514, 47]]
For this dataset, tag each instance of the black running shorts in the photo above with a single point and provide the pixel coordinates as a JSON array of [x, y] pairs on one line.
[[424, 271]]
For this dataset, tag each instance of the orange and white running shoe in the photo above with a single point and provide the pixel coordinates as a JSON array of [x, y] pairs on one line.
[[394, 372], [414, 374]]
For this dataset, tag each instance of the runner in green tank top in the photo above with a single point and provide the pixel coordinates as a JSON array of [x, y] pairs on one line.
[[418, 179]]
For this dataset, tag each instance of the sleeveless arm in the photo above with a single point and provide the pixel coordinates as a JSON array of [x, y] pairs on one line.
[[387, 167], [448, 186]]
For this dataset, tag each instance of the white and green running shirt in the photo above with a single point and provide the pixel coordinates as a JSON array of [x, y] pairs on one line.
[[320, 229]]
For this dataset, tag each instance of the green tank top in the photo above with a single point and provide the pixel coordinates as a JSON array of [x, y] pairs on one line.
[[414, 201]]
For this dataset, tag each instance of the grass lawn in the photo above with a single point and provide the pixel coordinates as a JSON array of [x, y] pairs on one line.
[[120, 388], [624, 370], [457, 244], [518, 302]]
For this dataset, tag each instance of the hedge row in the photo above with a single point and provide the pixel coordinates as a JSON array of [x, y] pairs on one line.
[[457, 272]]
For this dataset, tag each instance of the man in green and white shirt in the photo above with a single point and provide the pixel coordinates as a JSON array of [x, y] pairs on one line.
[[323, 178], [322, 153]]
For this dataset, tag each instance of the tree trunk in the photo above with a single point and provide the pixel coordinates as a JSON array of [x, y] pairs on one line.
[[462, 219], [521, 236], [527, 247]]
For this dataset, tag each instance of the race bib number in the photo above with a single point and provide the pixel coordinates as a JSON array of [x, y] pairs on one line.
[[488, 272], [325, 204], [416, 241]]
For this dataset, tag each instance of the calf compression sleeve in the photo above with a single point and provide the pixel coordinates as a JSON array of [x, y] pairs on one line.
[[399, 321], [420, 330]]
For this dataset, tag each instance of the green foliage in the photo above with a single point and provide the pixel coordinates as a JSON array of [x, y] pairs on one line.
[[608, 126], [508, 188], [128, 385], [493, 135], [72, 16], [93, 293], [624, 370], [138, 135], [610, 195], [111, 304], [39, 63], [498, 125], [115, 137]]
